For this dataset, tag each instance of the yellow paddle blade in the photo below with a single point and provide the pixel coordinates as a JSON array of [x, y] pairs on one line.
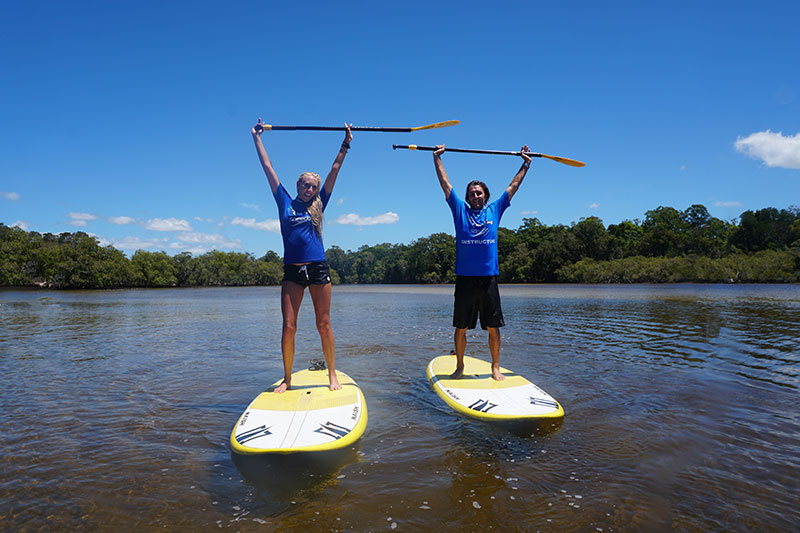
[[570, 162], [437, 125]]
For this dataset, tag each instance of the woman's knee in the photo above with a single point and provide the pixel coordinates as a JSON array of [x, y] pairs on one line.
[[324, 324], [289, 327]]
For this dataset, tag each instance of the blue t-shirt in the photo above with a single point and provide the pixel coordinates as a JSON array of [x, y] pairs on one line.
[[301, 242], [476, 235]]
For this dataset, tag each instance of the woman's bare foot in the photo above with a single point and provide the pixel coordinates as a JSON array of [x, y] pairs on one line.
[[334, 381], [283, 387], [458, 373]]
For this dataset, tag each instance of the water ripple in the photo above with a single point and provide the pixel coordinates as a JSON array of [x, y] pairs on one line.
[[681, 411]]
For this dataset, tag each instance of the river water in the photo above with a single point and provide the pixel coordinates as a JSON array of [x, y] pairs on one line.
[[682, 412]]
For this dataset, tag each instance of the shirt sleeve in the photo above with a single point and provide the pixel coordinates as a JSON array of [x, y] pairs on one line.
[[325, 197], [454, 202], [502, 203], [282, 197]]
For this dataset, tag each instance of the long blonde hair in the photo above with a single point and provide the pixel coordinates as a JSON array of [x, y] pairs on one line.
[[315, 205]]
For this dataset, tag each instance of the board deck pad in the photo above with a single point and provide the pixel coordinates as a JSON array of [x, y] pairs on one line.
[[308, 417], [478, 395]]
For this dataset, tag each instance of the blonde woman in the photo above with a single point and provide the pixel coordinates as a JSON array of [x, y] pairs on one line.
[[304, 263]]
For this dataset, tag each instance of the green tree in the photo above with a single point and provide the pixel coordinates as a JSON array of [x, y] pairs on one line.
[[704, 234], [592, 238], [154, 269], [624, 239], [432, 259], [663, 231], [766, 229]]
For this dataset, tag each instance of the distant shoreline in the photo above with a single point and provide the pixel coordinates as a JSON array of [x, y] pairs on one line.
[[668, 246]]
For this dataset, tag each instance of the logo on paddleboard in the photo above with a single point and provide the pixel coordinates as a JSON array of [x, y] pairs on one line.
[[261, 431], [332, 430], [543, 402], [483, 406]]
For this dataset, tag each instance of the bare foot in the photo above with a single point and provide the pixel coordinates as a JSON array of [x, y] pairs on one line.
[[497, 375], [458, 373], [334, 382], [283, 387]]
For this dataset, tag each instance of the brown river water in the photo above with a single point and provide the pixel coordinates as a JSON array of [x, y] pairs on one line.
[[682, 412]]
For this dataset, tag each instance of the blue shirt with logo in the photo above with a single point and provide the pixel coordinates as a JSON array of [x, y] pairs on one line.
[[476, 235], [301, 242]]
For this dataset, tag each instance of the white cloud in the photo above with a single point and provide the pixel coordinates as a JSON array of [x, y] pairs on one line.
[[207, 238], [353, 219], [200, 243], [265, 225], [341, 200], [594, 205], [168, 224], [21, 224], [250, 206], [82, 216], [137, 243], [530, 213], [121, 221], [728, 204], [773, 149], [10, 195], [194, 250], [80, 219]]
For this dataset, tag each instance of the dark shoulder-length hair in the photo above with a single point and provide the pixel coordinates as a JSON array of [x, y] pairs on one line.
[[479, 183]]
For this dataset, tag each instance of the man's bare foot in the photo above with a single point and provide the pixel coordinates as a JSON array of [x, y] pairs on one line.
[[334, 382], [497, 375], [458, 373], [283, 387]]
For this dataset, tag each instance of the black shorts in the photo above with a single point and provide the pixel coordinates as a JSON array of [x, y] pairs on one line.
[[318, 273], [477, 295]]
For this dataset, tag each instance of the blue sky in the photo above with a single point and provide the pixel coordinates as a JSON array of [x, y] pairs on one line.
[[130, 120]]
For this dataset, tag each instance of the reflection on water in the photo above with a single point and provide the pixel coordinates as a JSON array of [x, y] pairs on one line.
[[280, 480], [681, 409]]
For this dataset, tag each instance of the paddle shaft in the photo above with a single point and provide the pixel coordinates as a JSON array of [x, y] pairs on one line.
[[564, 160], [332, 128], [462, 150], [268, 127]]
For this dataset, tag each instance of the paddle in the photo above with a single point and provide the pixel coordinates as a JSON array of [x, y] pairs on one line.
[[564, 160], [268, 127]]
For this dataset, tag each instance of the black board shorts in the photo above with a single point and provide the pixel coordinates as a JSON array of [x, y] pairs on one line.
[[317, 273], [476, 295]]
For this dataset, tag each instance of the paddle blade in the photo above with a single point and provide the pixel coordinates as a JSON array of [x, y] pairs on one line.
[[564, 160], [437, 125]]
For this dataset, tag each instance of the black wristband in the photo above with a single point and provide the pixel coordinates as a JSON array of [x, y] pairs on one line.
[[346, 145]]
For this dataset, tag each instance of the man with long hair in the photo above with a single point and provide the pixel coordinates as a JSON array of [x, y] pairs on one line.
[[477, 266]]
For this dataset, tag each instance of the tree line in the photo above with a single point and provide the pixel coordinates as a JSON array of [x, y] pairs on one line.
[[668, 245], [78, 261]]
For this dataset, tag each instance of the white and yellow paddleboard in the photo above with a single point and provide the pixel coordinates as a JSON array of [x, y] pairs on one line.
[[476, 394], [307, 418]]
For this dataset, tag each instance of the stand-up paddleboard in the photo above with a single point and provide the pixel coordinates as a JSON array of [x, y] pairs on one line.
[[309, 417], [476, 394]]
